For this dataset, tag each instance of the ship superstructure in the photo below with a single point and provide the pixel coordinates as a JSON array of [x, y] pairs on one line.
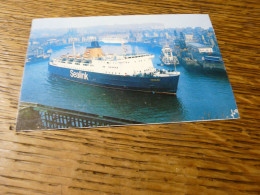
[[131, 72]]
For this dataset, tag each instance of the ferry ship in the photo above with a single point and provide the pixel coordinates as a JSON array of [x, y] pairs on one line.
[[128, 72], [167, 57]]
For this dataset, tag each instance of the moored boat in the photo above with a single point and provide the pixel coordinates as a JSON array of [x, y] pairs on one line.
[[167, 57]]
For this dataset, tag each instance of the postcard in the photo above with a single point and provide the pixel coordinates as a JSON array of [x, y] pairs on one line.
[[123, 70]]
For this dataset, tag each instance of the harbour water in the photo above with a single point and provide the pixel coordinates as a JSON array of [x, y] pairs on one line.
[[201, 95]]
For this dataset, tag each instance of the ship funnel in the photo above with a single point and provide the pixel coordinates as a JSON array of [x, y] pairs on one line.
[[94, 51], [94, 44]]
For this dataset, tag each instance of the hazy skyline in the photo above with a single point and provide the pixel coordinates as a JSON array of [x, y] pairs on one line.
[[168, 20]]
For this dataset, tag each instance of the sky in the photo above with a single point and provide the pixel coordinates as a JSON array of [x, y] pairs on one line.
[[169, 21]]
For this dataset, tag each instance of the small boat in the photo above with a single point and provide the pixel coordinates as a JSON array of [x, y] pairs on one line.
[[167, 57]]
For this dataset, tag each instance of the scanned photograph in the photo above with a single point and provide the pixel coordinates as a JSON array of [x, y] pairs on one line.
[[123, 70]]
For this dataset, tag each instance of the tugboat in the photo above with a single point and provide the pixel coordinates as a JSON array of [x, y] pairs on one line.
[[126, 72], [167, 57]]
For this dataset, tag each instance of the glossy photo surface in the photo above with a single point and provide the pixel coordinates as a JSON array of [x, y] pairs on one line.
[[123, 70]]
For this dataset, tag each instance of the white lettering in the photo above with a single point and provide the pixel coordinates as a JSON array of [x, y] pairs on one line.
[[78, 75]]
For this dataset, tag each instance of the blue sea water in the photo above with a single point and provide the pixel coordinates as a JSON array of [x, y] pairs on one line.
[[201, 95]]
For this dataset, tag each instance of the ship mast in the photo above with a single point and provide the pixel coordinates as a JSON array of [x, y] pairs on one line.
[[74, 50], [123, 48]]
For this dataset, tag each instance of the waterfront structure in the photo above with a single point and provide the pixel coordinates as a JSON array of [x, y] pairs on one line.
[[188, 38], [200, 48], [206, 57], [36, 55], [48, 117]]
